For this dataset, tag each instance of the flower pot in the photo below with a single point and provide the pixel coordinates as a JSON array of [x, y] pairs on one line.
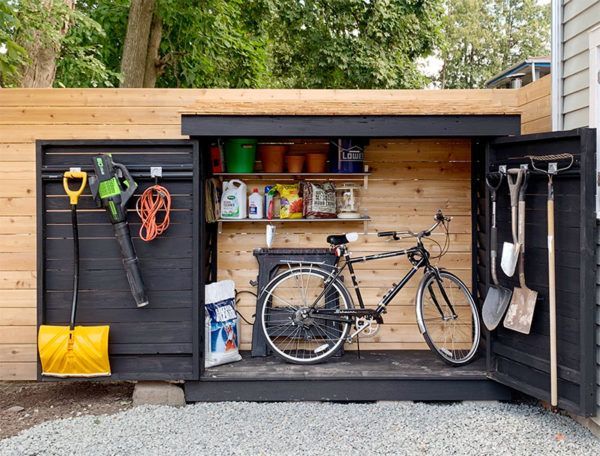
[[272, 157], [295, 163], [315, 162]]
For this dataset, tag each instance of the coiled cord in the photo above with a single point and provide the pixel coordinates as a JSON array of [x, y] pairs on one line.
[[154, 199]]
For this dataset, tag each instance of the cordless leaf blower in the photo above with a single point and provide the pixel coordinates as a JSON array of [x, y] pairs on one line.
[[112, 186]]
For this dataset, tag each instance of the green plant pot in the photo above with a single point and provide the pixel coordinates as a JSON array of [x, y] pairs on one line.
[[240, 155]]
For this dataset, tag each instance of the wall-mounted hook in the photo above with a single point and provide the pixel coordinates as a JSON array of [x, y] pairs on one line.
[[156, 173]]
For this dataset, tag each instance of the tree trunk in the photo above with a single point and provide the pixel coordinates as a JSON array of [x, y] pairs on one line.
[[41, 68], [135, 49], [153, 63]]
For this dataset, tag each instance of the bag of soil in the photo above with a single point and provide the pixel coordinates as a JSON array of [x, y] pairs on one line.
[[319, 200]]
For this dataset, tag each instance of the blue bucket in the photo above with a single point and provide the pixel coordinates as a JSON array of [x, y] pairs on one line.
[[347, 155]]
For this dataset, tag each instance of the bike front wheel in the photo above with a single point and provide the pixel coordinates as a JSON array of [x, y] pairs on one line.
[[448, 318], [287, 317]]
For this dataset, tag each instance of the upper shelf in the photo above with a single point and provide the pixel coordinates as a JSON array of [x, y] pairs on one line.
[[303, 176]]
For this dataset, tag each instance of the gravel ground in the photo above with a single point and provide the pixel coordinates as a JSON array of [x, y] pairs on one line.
[[26, 404], [312, 428]]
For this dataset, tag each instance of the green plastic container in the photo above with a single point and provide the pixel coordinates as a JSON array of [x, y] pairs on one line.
[[240, 154]]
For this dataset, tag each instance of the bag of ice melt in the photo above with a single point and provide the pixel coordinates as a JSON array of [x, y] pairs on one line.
[[221, 341]]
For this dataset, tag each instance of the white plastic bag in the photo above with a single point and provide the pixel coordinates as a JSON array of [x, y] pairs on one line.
[[221, 340]]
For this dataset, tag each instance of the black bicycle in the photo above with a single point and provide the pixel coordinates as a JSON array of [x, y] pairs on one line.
[[307, 313]]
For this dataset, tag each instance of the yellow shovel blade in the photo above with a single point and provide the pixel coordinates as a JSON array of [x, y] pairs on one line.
[[82, 352]]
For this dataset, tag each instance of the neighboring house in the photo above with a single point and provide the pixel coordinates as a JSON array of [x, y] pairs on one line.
[[520, 74], [573, 37], [576, 82]]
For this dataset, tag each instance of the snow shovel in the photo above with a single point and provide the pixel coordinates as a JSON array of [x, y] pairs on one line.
[[510, 252], [553, 169], [74, 351], [498, 297], [520, 312]]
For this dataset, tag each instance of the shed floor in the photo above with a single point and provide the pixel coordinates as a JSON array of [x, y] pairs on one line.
[[405, 364], [377, 375]]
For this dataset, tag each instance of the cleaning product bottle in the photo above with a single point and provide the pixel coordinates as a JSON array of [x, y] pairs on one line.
[[234, 203], [255, 205]]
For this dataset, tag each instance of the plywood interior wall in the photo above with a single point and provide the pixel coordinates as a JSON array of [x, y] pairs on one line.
[[410, 180], [30, 114]]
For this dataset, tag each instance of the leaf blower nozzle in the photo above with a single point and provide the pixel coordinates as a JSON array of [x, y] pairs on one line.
[[112, 186]]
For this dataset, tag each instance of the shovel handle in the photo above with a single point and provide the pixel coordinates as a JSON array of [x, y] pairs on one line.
[[70, 176], [552, 306], [514, 177]]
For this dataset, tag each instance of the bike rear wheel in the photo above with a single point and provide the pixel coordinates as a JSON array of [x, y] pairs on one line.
[[289, 330], [448, 318]]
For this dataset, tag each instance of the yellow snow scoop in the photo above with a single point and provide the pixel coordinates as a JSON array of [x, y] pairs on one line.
[[74, 351]]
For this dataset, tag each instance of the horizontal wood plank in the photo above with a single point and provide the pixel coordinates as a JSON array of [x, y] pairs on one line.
[[18, 371]]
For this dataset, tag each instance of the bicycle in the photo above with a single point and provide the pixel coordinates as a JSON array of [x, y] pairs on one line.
[[305, 325]]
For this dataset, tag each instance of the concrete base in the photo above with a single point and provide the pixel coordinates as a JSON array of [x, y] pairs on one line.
[[158, 393]]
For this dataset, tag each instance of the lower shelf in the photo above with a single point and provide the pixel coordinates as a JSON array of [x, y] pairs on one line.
[[364, 220]]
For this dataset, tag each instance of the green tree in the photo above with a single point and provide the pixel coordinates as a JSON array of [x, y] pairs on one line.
[[44, 44], [213, 43], [351, 43], [483, 37], [12, 54]]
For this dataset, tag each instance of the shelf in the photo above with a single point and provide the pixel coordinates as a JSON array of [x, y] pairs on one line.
[[302, 176], [364, 220]]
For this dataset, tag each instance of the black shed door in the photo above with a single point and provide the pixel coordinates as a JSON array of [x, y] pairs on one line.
[[163, 340], [522, 361]]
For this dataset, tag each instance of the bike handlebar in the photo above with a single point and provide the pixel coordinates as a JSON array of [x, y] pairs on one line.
[[439, 218]]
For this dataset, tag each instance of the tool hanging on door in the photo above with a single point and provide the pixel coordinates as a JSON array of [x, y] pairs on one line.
[[498, 297], [155, 200], [74, 351], [552, 170], [522, 305], [112, 186], [510, 252]]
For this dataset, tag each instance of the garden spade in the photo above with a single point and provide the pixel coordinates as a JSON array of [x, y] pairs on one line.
[[498, 297], [520, 312], [510, 252]]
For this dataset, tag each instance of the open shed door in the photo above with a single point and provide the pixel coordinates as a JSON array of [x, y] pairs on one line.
[[522, 361]]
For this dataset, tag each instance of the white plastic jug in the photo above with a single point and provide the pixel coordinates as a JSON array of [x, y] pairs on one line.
[[255, 205], [234, 204]]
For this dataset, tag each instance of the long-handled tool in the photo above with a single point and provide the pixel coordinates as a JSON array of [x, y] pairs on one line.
[[510, 252], [520, 311], [551, 171], [498, 297], [74, 351], [112, 186]]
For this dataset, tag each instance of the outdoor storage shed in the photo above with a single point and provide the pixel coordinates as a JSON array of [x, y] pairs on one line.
[[426, 150]]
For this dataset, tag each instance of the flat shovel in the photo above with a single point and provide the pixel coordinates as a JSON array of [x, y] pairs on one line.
[[498, 297], [510, 252], [520, 312]]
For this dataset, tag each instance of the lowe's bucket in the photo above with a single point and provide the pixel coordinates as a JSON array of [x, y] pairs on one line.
[[347, 155], [240, 154]]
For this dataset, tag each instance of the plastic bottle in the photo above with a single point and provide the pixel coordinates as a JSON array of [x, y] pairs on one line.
[[234, 202], [255, 205]]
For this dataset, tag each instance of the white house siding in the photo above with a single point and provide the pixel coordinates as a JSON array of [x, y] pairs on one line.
[[578, 18]]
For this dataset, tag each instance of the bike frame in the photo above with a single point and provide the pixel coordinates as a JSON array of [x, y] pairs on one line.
[[418, 256]]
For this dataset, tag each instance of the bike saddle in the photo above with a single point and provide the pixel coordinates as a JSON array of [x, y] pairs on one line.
[[339, 239]]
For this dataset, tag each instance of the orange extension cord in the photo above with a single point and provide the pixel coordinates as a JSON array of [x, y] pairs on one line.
[[154, 200]]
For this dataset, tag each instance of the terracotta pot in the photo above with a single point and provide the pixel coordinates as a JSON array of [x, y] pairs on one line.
[[295, 163], [315, 163], [272, 157]]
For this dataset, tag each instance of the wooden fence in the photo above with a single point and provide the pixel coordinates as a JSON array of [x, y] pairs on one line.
[[27, 115]]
